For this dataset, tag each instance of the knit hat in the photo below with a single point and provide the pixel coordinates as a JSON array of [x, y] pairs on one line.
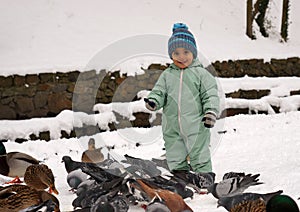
[[182, 38]]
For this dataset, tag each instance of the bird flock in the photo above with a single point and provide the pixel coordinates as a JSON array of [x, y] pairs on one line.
[[113, 185]]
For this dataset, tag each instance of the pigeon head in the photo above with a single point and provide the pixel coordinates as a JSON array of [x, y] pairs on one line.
[[211, 189], [66, 159]]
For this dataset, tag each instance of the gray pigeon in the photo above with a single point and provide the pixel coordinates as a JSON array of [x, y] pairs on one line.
[[157, 205], [161, 163], [233, 174], [233, 186], [147, 166], [75, 177], [202, 180], [230, 201], [117, 203]]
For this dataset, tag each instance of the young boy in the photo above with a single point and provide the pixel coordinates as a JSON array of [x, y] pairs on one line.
[[188, 94]]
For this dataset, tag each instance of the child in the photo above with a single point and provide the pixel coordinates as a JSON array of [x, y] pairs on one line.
[[188, 94]]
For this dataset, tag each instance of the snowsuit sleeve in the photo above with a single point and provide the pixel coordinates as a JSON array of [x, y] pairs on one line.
[[159, 92], [209, 93]]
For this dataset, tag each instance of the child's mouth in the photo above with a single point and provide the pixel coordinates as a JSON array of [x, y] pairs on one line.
[[180, 64]]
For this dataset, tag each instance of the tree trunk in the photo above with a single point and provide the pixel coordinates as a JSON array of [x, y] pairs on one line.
[[260, 19], [249, 24], [284, 20]]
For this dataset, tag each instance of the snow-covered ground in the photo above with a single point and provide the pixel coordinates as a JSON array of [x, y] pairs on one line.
[[265, 144]]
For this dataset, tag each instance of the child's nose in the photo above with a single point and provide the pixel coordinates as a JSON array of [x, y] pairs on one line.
[[181, 56]]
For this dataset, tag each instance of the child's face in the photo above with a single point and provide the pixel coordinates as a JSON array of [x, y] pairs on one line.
[[183, 56]]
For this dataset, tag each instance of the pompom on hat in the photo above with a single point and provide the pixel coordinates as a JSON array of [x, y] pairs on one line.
[[182, 38]]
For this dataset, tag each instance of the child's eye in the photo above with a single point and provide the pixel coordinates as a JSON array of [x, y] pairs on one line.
[[186, 52]]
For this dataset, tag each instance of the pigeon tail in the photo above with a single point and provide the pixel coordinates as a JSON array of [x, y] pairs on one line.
[[250, 180]]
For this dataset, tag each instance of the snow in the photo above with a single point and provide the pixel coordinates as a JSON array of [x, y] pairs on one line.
[[265, 144], [105, 113], [54, 35], [279, 86]]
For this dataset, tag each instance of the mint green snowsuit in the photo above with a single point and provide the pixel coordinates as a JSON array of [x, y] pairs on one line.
[[185, 96]]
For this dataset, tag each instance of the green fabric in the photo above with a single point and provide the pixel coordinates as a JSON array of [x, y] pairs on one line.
[[183, 132]]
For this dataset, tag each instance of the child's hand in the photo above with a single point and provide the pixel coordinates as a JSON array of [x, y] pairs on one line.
[[209, 120], [150, 105]]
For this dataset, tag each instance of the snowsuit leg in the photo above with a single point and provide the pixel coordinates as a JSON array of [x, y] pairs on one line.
[[176, 153], [199, 153]]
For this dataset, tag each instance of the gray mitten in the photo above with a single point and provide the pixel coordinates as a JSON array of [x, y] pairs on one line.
[[150, 105], [209, 120]]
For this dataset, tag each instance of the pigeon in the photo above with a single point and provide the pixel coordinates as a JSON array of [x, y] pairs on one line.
[[148, 166], [281, 203], [234, 185], [75, 178], [84, 186], [70, 164], [257, 205], [202, 179], [233, 174], [197, 181], [176, 187], [87, 197], [99, 199], [230, 201], [157, 205], [107, 203], [89, 193], [161, 163], [173, 201], [101, 174]]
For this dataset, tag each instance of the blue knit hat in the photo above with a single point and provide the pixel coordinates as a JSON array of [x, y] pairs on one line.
[[182, 38]]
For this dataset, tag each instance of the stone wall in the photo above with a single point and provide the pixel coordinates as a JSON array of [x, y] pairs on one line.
[[46, 94], [257, 68]]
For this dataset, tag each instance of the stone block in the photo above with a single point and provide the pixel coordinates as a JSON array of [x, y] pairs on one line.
[[47, 77], [7, 112], [23, 104], [58, 102], [19, 80], [40, 99], [32, 79]]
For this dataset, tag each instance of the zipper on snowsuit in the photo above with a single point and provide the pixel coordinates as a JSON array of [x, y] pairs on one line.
[[179, 105]]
